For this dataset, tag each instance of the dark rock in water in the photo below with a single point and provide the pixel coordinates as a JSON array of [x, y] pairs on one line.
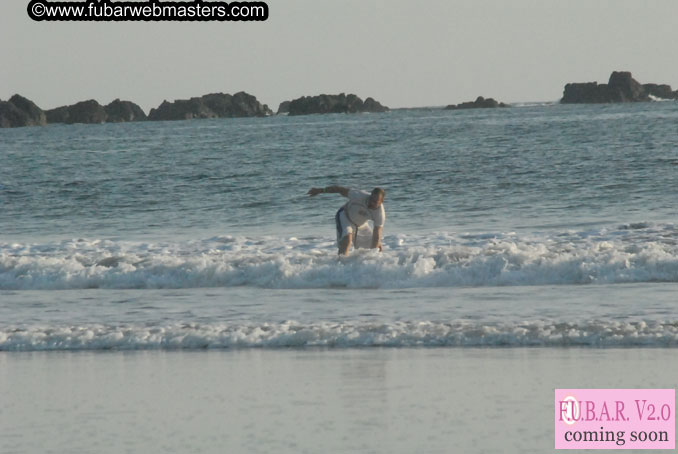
[[371, 105], [283, 108], [123, 111], [19, 112], [36, 116], [246, 105], [662, 91], [83, 112], [624, 88], [621, 87], [11, 116], [86, 112], [215, 105], [219, 105], [589, 92], [58, 115], [326, 104], [479, 103], [182, 109]]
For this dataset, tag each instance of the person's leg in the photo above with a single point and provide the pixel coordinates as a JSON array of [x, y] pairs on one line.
[[344, 232], [345, 244]]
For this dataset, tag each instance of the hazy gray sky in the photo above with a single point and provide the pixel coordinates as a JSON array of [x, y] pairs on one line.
[[403, 53]]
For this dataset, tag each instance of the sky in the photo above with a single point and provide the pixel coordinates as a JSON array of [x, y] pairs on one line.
[[402, 53]]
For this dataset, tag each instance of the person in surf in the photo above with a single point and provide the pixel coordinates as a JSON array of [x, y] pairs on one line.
[[361, 207]]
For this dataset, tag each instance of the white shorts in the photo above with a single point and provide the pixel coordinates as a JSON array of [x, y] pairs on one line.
[[362, 235], [344, 226]]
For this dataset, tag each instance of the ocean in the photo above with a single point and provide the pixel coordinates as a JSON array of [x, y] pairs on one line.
[[514, 238]]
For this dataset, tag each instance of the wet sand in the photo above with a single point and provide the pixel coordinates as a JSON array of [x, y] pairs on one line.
[[377, 400]]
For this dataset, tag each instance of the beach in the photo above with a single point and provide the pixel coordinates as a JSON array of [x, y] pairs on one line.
[[434, 400]]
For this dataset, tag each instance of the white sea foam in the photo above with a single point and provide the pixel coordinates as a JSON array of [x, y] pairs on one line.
[[658, 99], [534, 104], [639, 252], [340, 335]]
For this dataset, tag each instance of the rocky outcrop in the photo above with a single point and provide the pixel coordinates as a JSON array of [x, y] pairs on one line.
[[588, 92], [284, 108], [215, 105], [624, 88], [83, 112], [19, 112], [621, 87], [181, 110], [326, 104], [479, 103], [372, 105], [123, 111], [11, 116], [36, 116], [58, 115], [240, 104], [662, 91]]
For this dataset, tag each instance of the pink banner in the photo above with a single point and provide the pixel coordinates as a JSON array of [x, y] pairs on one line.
[[615, 418]]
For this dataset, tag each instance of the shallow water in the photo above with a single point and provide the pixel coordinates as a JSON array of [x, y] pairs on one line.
[[543, 225]]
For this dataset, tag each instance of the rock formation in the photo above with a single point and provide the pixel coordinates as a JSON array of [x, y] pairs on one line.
[[19, 111], [325, 104], [83, 112], [123, 111], [624, 88], [662, 91], [621, 87], [215, 105], [372, 105], [283, 108], [479, 103], [11, 116]]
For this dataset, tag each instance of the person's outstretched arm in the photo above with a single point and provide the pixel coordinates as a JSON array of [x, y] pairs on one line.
[[330, 190]]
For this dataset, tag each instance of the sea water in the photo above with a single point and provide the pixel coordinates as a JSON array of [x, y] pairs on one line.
[[535, 226]]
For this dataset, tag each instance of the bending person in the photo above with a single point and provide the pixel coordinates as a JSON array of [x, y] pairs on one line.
[[361, 207]]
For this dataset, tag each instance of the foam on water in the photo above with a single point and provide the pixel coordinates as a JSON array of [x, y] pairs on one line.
[[340, 335], [641, 252]]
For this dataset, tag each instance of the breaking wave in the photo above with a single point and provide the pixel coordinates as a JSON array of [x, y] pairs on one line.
[[626, 254], [290, 334]]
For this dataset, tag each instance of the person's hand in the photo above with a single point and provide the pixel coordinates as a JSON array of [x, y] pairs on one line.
[[314, 191], [380, 248]]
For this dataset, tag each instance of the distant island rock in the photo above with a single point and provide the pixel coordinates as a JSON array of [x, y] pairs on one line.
[[621, 87], [19, 112], [91, 112], [87, 112], [283, 108], [479, 103], [123, 111], [327, 104], [662, 91], [215, 105]]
